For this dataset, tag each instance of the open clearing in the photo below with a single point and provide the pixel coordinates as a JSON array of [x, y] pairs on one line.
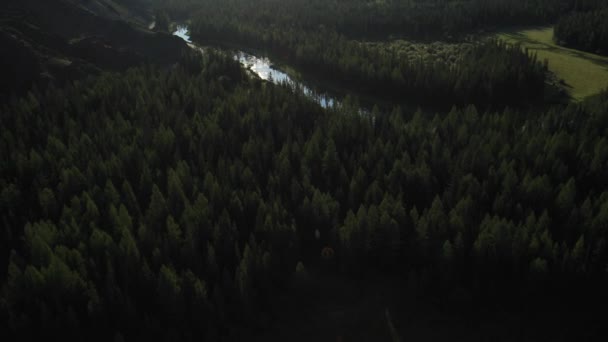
[[585, 73]]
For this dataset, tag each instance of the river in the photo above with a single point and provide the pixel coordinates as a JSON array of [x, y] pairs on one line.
[[266, 70]]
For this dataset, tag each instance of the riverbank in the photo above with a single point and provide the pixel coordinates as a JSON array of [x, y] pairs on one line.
[[388, 94], [262, 67], [269, 66]]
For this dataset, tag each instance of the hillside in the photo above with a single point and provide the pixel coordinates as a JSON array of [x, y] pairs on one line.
[[53, 41]]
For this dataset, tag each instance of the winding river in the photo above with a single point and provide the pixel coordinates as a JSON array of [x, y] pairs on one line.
[[265, 69]]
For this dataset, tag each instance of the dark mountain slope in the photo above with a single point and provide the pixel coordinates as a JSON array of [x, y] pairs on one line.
[[58, 40]]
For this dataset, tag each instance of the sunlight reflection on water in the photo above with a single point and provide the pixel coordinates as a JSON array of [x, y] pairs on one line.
[[263, 67]]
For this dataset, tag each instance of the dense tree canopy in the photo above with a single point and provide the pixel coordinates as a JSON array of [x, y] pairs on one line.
[[173, 203], [180, 201], [584, 30], [363, 19]]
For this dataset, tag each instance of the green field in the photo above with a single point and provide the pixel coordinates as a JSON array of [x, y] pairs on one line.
[[584, 73]]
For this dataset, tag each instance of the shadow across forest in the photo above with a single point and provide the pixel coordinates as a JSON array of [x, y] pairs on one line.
[[333, 307]]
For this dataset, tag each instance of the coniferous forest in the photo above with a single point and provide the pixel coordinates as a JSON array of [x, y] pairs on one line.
[[585, 30], [190, 200]]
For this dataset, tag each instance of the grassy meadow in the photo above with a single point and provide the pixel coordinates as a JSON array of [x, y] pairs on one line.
[[584, 73]]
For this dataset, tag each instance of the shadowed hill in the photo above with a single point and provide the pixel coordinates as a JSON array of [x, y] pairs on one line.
[[54, 41]]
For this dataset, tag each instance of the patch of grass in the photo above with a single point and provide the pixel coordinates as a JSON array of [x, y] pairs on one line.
[[584, 73]]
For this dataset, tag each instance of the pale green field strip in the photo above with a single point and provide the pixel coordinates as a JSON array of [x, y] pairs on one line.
[[584, 73]]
